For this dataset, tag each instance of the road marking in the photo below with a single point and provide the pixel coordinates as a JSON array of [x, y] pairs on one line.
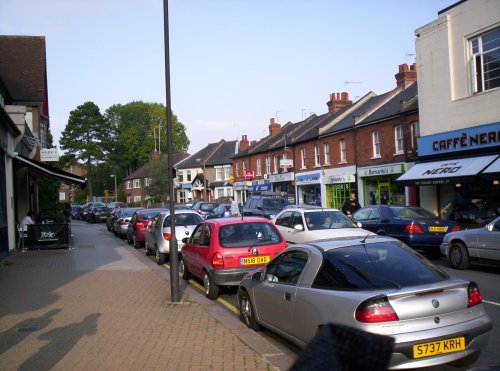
[[491, 302], [228, 305]]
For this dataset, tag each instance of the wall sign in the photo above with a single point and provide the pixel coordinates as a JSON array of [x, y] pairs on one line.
[[381, 170], [308, 178]]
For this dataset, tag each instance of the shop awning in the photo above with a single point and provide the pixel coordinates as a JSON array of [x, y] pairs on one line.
[[52, 172], [492, 171], [461, 170]]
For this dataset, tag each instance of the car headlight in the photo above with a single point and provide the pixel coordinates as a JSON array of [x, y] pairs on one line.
[[271, 216]]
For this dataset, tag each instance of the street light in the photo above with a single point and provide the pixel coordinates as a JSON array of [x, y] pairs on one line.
[[116, 194], [199, 160]]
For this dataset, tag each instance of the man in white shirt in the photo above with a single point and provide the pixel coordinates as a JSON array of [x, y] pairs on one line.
[[235, 210], [28, 219]]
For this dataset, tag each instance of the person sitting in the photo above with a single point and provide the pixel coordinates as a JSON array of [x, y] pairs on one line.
[[327, 221], [27, 220]]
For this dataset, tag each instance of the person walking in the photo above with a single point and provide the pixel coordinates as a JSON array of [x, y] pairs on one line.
[[235, 209], [351, 205]]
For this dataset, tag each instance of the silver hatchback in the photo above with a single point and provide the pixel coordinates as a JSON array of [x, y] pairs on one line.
[[375, 284], [158, 235]]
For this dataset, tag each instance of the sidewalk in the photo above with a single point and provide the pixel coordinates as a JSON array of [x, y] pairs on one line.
[[102, 305]]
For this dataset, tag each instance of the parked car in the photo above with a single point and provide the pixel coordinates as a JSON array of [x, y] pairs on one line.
[[75, 209], [121, 220], [97, 214], [266, 205], [221, 251], [158, 235], [204, 208], [480, 245], [222, 211], [110, 217], [307, 224], [375, 284], [114, 205], [139, 223], [415, 226], [82, 213]]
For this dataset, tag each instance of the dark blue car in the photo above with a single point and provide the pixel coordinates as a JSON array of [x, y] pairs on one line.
[[415, 226]]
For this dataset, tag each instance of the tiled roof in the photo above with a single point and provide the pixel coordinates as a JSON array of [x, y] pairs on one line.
[[23, 68], [146, 170], [190, 162], [223, 154]]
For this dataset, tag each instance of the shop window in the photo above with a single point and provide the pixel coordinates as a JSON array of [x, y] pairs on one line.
[[259, 167], [343, 153], [376, 144], [337, 194], [398, 139], [485, 61], [326, 148]]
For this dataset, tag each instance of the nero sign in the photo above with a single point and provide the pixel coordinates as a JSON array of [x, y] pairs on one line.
[[442, 170]]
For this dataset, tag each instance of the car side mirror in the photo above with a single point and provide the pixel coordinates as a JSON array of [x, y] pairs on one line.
[[298, 227], [185, 240], [257, 276], [490, 227], [359, 225]]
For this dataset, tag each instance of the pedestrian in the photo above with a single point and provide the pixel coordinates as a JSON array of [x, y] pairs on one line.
[[235, 209], [351, 205], [27, 220]]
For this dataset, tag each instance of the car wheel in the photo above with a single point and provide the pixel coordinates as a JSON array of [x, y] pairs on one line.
[[136, 243], [211, 289], [129, 239], [183, 271], [458, 256], [148, 251], [108, 228], [247, 314], [160, 258]]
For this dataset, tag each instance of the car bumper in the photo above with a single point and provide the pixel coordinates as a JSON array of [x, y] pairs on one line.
[[424, 242], [444, 248], [140, 235], [122, 230], [164, 246], [230, 276]]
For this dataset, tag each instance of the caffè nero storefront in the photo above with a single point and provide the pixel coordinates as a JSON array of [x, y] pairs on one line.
[[461, 179]]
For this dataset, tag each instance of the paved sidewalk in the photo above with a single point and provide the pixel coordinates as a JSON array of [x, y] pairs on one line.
[[101, 305]]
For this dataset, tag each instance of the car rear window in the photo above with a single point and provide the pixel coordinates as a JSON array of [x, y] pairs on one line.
[[101, 208], [274, 203], [183, 220], [412, 213], [384, 265], [248, 234], [208, 207], [327, 220], [149, 214], [127, 212]]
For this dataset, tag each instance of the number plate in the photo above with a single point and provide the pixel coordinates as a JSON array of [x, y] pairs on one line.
[[438, 347], [437, 229], [253, 260]]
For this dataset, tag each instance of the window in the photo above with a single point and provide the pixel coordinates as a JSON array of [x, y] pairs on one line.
[[137, 183], [227, 172], [398, 137], [180, 176], [275, 161], [188, 176], [343, 154], [147, 182], [485, 53], [303, 158], [326, 148], [244, 166], [129, 184], [237, 169], [317, 158], [268, 165], [259, 167], [287, 268], [218, 173], [137, 198], [376, 144], [415, 134], [284, 219]]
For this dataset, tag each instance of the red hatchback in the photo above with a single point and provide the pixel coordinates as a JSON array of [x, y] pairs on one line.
[[222, 251], [139, 224]]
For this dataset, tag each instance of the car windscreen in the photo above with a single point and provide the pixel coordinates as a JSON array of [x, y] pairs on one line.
[[208, 206], [372, 266], [148, 214], [274, 203], [187, 219], [248, 234], [101, 208], [317, 220], [127, 212], [412, 212]]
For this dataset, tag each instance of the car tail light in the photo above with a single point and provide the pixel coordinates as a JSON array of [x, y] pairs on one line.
[[167, 236], [217, 260], [413, 228], [456, 228], [474, 296], [121, 221], [376, 310], [226, 208], [139, 225]]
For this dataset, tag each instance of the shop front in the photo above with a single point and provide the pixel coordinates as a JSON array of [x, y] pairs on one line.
[[308, 188], [284, 183], [339, 183], [377, 185], [239, 191]]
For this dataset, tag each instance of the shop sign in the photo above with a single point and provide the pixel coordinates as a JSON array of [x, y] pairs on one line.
[[307, 178], [285, 177], [381, 170], [466, 139], [49, 154], [286, 163], [249, 174], [348, 178], [239, 186], [260, 188]]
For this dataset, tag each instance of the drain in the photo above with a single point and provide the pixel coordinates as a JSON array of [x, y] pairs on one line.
[[26, 329]]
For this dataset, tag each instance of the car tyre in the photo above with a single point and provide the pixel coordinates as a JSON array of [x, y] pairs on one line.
[[247, 313], [183, 271], [129, 239], [458, 256], [136, 243], [211, 289], [148, 251], [159, 257]]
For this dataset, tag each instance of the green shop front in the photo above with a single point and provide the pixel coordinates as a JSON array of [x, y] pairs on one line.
[[378, 186], [339, 183]]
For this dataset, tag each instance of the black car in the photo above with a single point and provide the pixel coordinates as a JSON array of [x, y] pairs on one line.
[[97, 214], [265, 205], [223, 211], [204, 208], [415, 226]]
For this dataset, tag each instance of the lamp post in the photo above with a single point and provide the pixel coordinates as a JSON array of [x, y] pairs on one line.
[[199, 160], [116, 194]]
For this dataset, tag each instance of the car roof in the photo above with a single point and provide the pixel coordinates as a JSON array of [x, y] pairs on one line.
[[309, 209], [238, 220], [339, 242], [179, 211]]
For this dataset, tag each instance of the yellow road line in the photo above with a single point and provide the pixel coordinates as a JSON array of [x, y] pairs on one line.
[[228, 305]]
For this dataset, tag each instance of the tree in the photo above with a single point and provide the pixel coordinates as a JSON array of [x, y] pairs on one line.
[[158, 188], [86, 137]]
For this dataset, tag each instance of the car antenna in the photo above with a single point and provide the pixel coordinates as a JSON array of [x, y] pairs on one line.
[[364, 239]]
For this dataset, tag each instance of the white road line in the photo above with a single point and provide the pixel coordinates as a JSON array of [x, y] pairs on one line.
[[491, 302]]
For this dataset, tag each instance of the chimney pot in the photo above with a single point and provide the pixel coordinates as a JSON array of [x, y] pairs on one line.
[[272, 120]]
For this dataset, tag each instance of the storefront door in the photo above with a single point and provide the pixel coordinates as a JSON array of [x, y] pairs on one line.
[[384, 191]]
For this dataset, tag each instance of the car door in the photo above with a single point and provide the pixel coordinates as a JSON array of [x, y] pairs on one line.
[[190, 250], [369, 217], [487, 243], [275, 295], [149, 239], [283, 224]]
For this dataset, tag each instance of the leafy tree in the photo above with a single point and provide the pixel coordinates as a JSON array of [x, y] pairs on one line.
[[158, 188], [86, 137]]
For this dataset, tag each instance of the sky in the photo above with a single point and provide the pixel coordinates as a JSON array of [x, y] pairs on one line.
[[234, 64]]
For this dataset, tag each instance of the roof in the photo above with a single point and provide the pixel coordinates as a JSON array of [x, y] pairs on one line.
[[191, 162], [147, 169], [23, 67], [223, 154], [393, 106]]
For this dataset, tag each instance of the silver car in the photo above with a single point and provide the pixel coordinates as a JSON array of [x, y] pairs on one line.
[[121, 221], [473, 245], [376, 284], [157, 238]]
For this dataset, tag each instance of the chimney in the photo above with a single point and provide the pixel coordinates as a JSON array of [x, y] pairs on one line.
[[155, 155], [243, 143], [253, 142], [338, 101], [405, 75], [274, 128]]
